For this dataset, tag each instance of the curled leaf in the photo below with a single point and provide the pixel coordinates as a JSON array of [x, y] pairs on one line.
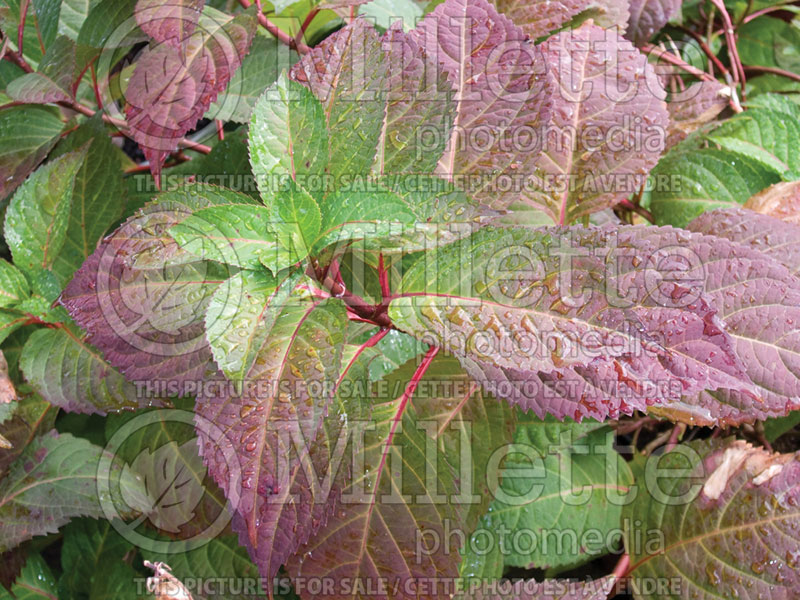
[[727, 519], [781, 200], [699, 104]]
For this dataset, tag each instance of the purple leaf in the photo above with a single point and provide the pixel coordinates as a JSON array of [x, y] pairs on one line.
[[347, 74], [647, 17], [759, 301], [35, 88], [498, 78], [387, 104], [370, 536], [768, 235], [418, 104], [169, 22], [608, 125], [716, 341], [172, 88], [142, 299], [273, 426], [699, 104]]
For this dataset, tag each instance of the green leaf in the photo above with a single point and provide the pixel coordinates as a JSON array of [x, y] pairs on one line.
[[13, 286], [32, 416], [74, 14], [8, 73], [89, 556], [105, 19], [769, 42], [97, 196], [769, 137], [770, 83], [35, 88], [57, 76], [775, 428], [288, 137], [259, 70], [35, 582], [27, 133], [72, 375], [561, 497], [697, 181], [347, 72], [117, 581], [54, 480], [235, 234], [231, 152], [10, 22], [41, 308], [7, 410], [387, 12], [281, 5], [38, 215], [296, 220], [65, 63], [396, 349], [10, 322], [12, 349], [459, 414], [164, 453], [48, 13], [398, 214], [239, 318]]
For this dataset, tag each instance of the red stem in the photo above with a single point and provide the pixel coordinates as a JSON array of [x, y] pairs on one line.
[[220, 130], [730, 39], [762, 12], [96, 88], [383, 277], [282, 36], [418, 375], [774, 71], [17, 59], [197, 147], [673, 437], [331, 280], [677, 61], [643, 212], [620, 571], [298, 39], [680, 63], [23, 15], [704, 47]]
